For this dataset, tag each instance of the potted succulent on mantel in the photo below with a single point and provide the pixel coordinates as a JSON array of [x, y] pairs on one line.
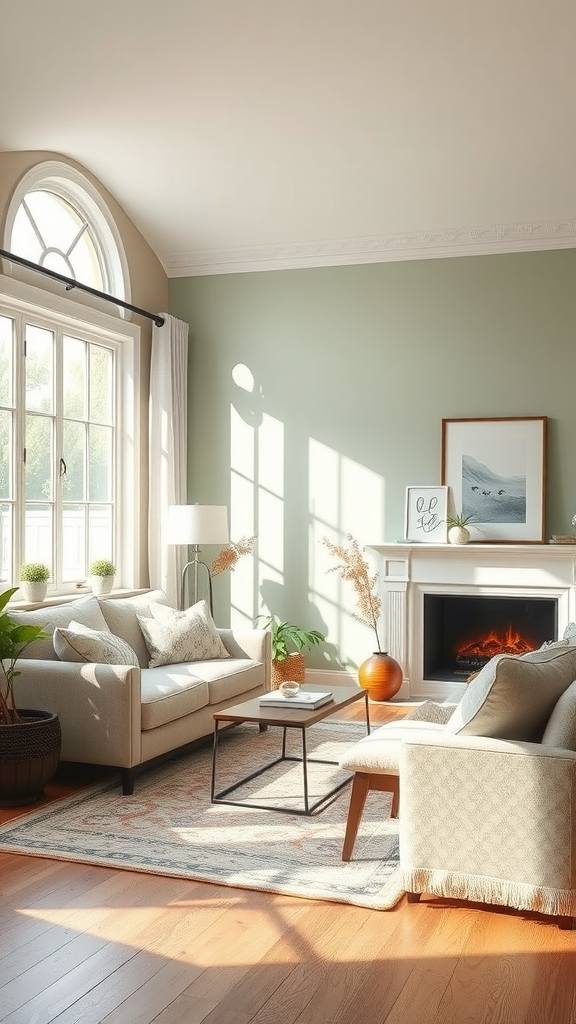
[[33, 581], [288, 641], [101, 576], [458, 533], [30, 739]]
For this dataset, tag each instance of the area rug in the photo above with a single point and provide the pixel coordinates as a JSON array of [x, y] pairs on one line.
[[170, 827]]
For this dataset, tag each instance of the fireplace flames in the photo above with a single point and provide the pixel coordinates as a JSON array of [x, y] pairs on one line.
[[484, 648]]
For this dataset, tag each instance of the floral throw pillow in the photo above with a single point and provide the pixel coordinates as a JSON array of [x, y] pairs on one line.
[[173, 637], [101, 647]]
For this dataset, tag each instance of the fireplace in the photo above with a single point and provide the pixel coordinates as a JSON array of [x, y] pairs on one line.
[[439, 598], [462, 632]]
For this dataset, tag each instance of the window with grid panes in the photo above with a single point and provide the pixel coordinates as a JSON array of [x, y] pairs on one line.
[[64, 435]]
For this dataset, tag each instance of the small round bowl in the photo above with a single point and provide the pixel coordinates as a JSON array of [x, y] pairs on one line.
[[289, 688]]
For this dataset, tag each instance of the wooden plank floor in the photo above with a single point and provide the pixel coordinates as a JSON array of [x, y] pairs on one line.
[[102, 946]]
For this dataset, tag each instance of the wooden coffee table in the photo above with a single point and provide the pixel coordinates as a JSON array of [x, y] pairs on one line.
[[284, 718]]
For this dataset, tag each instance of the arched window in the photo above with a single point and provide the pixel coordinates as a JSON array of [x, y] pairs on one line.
[[49, 231], [68, 422], [57, 219]]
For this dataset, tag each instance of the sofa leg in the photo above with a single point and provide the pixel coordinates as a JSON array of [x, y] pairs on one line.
[[128, 776], [262, 728], [413, 897], [566, 923], [360, 788]]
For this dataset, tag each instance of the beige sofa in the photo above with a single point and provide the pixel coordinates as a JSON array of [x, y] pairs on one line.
[[127, 715], [487, 790]]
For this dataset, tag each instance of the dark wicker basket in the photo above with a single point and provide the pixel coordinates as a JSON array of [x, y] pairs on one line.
[[29, 755]]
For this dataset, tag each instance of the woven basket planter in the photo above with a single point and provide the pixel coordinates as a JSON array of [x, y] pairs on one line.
[[29, 755], [293, 667]]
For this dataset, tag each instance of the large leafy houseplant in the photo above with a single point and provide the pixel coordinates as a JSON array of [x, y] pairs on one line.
[[14, 639], [288, 638]]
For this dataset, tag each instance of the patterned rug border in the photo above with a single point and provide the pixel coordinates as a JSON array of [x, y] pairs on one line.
[[54, 830]]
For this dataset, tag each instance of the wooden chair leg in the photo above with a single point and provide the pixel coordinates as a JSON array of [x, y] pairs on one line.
[[360, 788], [413, 897], [388, 784]]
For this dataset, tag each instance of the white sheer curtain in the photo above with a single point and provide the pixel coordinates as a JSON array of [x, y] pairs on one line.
[[167, 450]]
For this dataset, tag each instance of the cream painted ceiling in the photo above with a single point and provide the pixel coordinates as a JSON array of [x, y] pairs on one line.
[[248, 134]]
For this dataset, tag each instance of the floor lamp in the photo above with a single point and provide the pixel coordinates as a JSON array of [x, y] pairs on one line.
[[195, 525]]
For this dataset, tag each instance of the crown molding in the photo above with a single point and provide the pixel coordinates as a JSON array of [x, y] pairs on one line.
[[415, 245]]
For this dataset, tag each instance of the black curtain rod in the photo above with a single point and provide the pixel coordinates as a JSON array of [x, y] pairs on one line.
[[71, 283]]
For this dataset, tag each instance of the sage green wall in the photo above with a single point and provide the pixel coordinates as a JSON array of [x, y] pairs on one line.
[[367, 360]]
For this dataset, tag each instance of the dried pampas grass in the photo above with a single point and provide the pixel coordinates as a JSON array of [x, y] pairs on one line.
[[354, 568], [226, 560]]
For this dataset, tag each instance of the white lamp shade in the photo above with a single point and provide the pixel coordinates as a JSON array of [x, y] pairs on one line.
[[198, 524]]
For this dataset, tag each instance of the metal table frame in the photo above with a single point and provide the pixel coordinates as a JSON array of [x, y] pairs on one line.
[[305, 760]]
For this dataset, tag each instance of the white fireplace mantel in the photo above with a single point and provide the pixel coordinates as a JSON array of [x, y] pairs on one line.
[[407, 572]]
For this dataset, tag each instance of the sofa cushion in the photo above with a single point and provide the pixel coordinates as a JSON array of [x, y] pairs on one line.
[[379, 753], [169, 694], [86, 611], [231, 678], [99, 646], [121, 616], [173, 636], [561, 728], [513, 697]]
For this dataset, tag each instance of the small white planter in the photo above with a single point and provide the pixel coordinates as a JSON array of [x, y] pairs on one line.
[[458, 535], [33, 592], [101, 584]]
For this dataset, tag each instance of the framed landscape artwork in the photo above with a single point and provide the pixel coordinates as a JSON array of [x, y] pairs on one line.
[[426, 510], [496, 469]]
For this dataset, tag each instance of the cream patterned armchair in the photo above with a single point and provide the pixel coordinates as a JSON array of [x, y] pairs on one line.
[[491, 821], [487, 801]]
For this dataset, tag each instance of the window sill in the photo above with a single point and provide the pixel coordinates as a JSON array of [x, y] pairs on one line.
[[58, 599]]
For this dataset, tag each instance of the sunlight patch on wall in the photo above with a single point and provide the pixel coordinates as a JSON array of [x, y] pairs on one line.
[[242, 453], [345, 498], [242, 524], [256, 497], [271, 456], [243, 377], [270, 507]]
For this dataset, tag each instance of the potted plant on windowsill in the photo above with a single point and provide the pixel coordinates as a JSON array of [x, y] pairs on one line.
[[33, 581], [30, 739], [288, 641], [101, 576]]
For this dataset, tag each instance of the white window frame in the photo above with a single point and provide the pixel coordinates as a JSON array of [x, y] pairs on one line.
[[74, 187], [18, 298]]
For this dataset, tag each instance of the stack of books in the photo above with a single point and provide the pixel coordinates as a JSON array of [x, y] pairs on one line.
[[304, 699]]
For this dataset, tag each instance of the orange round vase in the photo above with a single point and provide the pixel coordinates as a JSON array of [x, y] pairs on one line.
[[381, 675]]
